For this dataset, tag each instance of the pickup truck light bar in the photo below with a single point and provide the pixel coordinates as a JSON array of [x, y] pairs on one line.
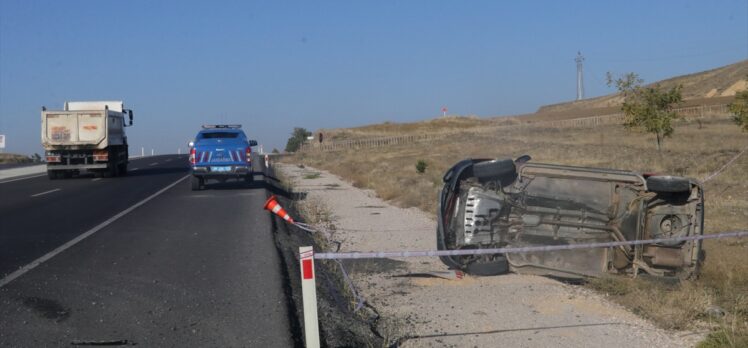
[[212, 126]]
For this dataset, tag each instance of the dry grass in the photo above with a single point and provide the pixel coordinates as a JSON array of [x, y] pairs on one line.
[[13, 158], [694, 151]]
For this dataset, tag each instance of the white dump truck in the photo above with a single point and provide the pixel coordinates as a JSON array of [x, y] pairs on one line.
[[86, 136]]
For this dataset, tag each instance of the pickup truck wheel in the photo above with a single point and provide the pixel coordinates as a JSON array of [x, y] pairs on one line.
[[197, 183], [122, 168], [668, 184]]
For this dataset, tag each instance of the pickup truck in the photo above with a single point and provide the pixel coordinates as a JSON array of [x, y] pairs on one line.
[[220, 152]]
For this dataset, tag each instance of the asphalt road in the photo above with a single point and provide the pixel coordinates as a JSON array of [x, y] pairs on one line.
[[184, 269]]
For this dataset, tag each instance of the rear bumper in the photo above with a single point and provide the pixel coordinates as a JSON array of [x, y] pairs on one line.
[[235, 171], [76, 166]]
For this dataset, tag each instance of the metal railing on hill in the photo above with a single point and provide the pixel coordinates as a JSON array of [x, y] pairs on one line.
[[692, 112]]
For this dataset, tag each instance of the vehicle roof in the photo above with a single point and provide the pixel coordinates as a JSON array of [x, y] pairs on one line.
[[221, 130]]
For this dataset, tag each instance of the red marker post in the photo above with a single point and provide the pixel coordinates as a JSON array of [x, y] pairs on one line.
[[309, 296]]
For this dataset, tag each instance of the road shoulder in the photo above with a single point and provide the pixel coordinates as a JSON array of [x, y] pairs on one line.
[[419, 310]]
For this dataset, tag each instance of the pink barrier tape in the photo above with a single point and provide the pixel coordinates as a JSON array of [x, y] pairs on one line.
[[391, 254]]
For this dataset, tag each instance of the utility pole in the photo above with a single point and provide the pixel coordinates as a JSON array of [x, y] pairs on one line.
[[580, 77]]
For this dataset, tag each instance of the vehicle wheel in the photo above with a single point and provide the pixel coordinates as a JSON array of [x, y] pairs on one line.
[[493, 169], [109, 172], [53, 174], [122, 168], [249, 178], [498, 266], [668, 184], [197, 183]]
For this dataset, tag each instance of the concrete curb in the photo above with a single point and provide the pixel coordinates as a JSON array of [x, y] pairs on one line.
[[16, 172]]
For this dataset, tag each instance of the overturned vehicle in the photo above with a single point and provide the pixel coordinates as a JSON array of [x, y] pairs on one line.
[[517, 203]]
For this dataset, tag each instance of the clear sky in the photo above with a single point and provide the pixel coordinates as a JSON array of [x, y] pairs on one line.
[[274, 65]]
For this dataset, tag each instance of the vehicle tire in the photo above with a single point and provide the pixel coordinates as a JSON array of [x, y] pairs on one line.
[[498, 266], [53, 174], [197, 183], [494, 169], [249, 178], [668, 184], [122, 168], [109, 172]]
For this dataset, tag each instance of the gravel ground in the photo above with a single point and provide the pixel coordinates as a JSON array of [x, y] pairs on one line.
[[422, 311]]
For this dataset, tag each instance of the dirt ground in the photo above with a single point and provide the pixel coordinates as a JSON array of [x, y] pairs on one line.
[[419, 310]]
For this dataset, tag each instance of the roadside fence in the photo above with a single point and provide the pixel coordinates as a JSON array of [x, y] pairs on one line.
[[691, 112]]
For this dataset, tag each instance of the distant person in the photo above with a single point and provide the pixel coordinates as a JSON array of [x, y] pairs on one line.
[[320, 138]]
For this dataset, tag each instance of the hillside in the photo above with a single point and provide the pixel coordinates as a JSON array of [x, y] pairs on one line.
[[699, 88], [712, 87]]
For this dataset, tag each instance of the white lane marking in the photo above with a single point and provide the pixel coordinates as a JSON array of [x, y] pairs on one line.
[[45, 192], [96, 179], [24, 178], [134, 169], [23, 270], [153, 164]]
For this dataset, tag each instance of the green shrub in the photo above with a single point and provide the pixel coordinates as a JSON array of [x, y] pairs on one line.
[[421, 166]]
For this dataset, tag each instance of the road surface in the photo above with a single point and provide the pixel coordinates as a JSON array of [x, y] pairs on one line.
[[182, 268]]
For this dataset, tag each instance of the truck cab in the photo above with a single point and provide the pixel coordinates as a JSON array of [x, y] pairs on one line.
[[221, 152]]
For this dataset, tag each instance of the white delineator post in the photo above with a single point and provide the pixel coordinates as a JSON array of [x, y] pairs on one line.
[[309, 296]]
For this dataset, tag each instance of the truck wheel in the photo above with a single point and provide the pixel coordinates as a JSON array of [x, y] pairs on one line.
[[197, 183], [122, 168], [249, 178], [53, 175], [668, 184]]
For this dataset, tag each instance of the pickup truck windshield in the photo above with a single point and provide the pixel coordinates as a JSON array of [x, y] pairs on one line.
[[217, 135]]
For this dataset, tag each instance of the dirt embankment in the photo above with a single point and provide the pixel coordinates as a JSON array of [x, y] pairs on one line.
[[701, 88], [9, 158], [339, 325]]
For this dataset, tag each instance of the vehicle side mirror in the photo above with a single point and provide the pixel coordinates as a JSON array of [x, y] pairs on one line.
[[253, 143], [191, 144], [129, 113]]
